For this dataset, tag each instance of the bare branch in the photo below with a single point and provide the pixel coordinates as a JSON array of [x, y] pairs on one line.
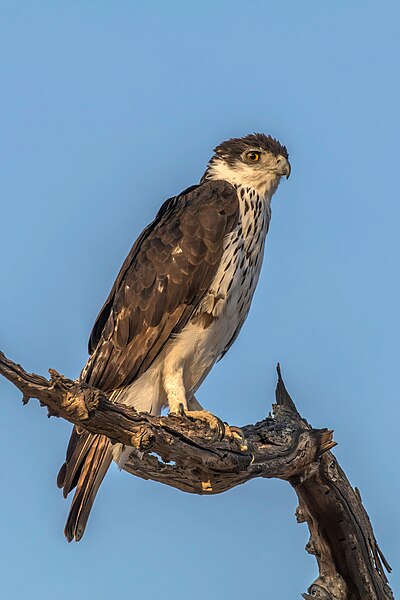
[[188, 454]]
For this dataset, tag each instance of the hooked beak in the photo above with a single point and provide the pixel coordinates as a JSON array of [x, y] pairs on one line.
[[283, 166]]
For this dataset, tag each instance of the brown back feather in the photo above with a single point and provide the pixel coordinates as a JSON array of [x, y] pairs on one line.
[[163, 279]]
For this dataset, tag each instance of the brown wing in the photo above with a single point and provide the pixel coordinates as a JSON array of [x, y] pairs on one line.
[[160, 284], [162, 280]]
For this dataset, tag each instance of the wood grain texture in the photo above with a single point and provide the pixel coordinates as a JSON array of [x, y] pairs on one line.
[[188, 454]]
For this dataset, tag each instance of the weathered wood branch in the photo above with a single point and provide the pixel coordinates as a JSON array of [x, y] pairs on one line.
[[189, 454]]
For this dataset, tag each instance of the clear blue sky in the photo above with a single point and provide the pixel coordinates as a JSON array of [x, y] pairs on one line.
[[108, 108]]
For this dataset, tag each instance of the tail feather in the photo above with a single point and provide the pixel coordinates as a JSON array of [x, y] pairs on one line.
[[78, 448], [87, 462]]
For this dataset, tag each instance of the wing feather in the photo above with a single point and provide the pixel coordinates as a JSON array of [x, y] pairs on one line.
[[162, 281]]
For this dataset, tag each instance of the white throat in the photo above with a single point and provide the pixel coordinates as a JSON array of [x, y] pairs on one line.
[[265, 184]]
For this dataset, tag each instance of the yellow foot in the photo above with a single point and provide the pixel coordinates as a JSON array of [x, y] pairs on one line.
[[237, 435], [234, 434], [214, 423]]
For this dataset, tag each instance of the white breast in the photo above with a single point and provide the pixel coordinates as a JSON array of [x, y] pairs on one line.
[[237, 276], [196, 348], [230, 294]]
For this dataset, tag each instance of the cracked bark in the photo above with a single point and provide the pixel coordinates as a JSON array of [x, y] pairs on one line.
[[189, 455]]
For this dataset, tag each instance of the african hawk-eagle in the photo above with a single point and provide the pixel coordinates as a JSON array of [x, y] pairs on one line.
[[178, 303]]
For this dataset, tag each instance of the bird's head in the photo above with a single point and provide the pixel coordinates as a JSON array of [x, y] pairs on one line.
[[256, 160]]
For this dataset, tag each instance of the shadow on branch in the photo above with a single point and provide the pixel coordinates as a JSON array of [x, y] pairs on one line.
[[188, 454]]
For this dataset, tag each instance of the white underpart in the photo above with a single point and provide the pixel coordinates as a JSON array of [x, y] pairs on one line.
[[182, 366]]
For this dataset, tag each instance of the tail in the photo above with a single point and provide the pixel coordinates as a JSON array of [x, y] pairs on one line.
[[87, 461]]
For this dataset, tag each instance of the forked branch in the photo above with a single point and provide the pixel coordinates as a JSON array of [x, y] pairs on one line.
[[193, 456]]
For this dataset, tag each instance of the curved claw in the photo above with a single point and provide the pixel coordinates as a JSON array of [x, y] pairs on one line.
[[236, 435], [214, 423]]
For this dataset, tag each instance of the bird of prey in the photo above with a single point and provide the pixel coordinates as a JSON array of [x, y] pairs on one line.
[[178, 303]]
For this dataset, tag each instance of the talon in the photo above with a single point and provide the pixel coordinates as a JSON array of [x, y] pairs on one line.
[[237, 435], [177, 409], [214, 423]]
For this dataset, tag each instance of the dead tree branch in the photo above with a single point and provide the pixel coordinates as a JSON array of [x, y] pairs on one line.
[[188, 454]]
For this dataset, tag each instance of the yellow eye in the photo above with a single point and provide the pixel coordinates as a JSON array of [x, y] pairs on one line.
[[253, 156]]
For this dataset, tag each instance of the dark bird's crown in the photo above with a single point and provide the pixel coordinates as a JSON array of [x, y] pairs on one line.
[[232, 149]]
